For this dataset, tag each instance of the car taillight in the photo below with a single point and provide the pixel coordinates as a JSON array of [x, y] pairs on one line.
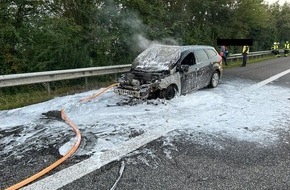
[[221, 60]]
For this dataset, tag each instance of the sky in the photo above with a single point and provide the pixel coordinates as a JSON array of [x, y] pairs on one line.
[[234, 110], [281, 2]]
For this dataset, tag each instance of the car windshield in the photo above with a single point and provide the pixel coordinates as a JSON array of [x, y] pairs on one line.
[[157, 58]]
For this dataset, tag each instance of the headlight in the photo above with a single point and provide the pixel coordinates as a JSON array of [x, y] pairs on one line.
[[154, 78]]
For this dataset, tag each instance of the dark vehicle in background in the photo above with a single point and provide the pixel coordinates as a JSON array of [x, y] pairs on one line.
[[164, 71]]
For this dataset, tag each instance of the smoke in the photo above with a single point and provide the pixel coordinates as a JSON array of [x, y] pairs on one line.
[[143, 43], [134, 32], [138, 40]]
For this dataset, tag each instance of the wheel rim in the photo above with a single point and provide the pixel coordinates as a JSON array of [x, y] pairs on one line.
[[215, 79]]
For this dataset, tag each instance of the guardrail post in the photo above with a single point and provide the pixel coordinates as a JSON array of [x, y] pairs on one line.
[[48, 88], [86, 83]]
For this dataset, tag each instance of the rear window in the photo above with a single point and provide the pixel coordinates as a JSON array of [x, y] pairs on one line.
[[200, 55], [211, 53]]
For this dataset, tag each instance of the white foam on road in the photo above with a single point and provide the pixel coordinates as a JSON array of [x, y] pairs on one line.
[[224, 111]]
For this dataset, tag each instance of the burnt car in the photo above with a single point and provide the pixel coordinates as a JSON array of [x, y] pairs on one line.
[[164, 71]]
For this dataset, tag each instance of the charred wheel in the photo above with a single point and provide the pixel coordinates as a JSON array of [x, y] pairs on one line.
[[168, 93]]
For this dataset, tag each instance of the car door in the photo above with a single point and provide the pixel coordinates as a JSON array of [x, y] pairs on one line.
[[203, 68], [214, 61], [188, 76]]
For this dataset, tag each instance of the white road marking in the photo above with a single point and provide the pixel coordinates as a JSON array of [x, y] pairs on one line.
[[95, 162], [264, 82]]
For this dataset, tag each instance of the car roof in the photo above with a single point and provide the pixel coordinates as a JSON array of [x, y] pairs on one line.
[[187, 47], [195, 47], [162, 57]]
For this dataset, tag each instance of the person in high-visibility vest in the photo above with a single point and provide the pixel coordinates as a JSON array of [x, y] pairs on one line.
[[286, 48], [245, 52], [275, 49]]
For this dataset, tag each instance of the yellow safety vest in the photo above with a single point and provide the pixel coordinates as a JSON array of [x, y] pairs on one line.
[[287, 45], [246, 49]]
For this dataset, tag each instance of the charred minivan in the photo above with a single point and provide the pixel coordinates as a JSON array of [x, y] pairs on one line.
[[164, 71]]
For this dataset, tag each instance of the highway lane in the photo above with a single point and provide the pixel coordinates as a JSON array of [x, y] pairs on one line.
[[192, 165], [261, 71], [238, 165]]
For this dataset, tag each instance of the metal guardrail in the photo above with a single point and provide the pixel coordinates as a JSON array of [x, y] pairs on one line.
[[251, 54], [50, 76]]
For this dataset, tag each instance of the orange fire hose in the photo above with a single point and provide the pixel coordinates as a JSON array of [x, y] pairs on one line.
[[58, 162], [94, 96], [68, 154]]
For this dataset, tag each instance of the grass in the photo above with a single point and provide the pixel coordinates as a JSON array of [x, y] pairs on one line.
[[15, 97]]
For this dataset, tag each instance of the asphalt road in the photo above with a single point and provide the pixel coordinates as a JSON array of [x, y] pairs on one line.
[[238, 165], [262, 71]]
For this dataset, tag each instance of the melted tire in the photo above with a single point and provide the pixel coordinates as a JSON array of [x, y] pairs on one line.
[[169, 92]]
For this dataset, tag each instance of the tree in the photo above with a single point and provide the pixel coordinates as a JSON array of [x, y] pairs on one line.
[[61, 34]]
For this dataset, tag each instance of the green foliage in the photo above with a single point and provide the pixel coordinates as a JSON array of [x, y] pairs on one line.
[[63, 34], [48, 35]]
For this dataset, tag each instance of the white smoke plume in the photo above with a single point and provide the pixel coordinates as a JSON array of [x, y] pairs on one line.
[[136, 29], [143, 43]]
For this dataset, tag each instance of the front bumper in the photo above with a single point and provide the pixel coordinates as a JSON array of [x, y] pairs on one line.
[[143, 93]]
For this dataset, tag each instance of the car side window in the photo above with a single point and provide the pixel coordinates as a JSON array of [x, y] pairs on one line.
[[188, 60], [211, 53], [200, 55]]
